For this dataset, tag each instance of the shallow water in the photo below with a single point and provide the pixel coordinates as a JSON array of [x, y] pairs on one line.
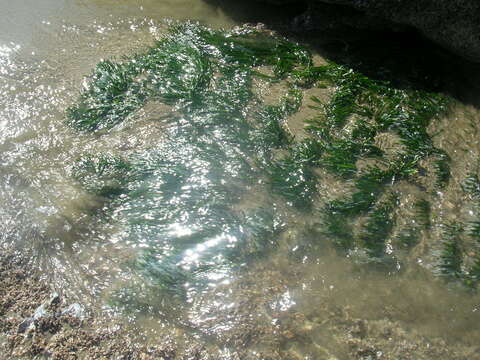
[[296, 301]]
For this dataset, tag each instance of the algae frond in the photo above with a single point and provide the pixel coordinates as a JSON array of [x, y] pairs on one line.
[[180, 199]]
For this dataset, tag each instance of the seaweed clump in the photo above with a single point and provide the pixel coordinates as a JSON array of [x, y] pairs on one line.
[[459, 254], [345, 134], [178, 201], [179, 70]]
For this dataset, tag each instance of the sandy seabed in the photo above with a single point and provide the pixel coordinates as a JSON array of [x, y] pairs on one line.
[[58, 334]]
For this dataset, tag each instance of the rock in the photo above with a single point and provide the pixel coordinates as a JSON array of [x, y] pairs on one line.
[[454, 24], [75, 310], [40, 312], [47, 311], [25, 325]]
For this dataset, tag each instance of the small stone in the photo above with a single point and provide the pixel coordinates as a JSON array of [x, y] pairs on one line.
[[76, 310]]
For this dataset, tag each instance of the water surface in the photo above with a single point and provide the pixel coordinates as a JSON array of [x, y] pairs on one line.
[[299, 298]]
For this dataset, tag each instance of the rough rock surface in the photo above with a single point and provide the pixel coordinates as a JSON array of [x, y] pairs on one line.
[[454, 24]]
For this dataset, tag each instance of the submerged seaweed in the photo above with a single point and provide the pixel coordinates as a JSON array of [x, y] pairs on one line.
[[458, 257], [182, 201], [345, 131], [379, 225], [423, 213], [451, 256], [103, 175], [180, 69], [471, 186]]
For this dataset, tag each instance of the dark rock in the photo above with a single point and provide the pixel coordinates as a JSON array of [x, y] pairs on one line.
[[25, 325], [454, 24]]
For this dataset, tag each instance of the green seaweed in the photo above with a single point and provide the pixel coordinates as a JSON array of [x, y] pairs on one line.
[[471, 186], [369, 186], [344, 131], [177, 200], [103, 175], [177, 70], [423, 211], [451, 256], [442, 169], [376, 231], [474, 272], [294, 181], [408, 237], [339, 213], [406, 113], [111, 95], [308, 151], [474, 230], [271, 132], [263, 227], [340, 158], [337, 227], [181, 196]]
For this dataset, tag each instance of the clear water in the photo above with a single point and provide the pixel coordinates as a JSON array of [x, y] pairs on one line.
[[292, 302]]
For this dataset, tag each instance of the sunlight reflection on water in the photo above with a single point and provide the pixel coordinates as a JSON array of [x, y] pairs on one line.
[[41, 201]]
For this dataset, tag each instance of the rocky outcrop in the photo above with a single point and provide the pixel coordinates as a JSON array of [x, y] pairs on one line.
[[454, 24]]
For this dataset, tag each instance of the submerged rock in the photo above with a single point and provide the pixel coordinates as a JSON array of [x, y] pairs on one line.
[[451, 23], [49, 311], [41, 312]]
